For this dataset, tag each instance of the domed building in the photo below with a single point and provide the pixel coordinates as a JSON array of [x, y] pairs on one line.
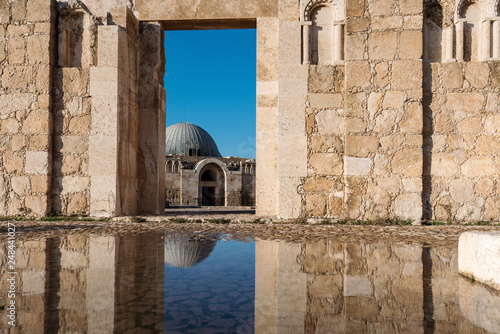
[[196, 174]]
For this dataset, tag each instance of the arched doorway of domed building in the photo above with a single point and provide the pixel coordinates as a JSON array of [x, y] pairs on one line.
[[211, 186]]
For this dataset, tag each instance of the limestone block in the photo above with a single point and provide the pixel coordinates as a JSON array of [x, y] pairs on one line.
[[391, 184], [408, 162], [318, 184], [462, 190], [357, 166], [355, 104], [477, 74], [479, 257], [289, 200], [13, 162], [355, 125], [408, 49], [37, 122], [39, 205], [316, 205], [492, 208], [355, 8], [495, 74], [37, 162], [357, 74], [443, 123], [290, 46], [10, 125], [39, 183], [103, 196], [73, 79], [406, 74], [357, 286], [381, 7], [71, 184], [39, 49], [33, 282], [17, 50], [18, 142], [326, 163], [470, 125], [468, 102], [38, 143], [394, 99], [413, 119], [412, 185], [43, 78], [292, 156], [335, 206], [330, 122], [410, 7], [332, 144], [20, 185], [17, 77], [71, 144], [79, 125], [355, 46], [361, 146], [322, 101], [356, 24], [102, 155], [374, 102], [381, 74], [382, 45], [408, 206], [452, 75], [38, 10], [487, 145], [4, 11], [478, 166], [492, 124], [387, 22], [267, 49]]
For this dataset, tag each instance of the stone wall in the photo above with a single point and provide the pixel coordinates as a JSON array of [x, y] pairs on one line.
[[462, 141], [26, 57]]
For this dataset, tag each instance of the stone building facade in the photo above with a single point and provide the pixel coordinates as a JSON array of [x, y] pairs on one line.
[[197, 175], [366, 109]]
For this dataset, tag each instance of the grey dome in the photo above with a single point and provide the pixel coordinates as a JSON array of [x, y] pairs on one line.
[[182, 253], [189, 139]]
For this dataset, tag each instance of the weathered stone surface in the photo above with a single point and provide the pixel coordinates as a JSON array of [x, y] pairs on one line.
[[478, 257], [408, 206], [468, 102], [326, 163], [357, 166], [462, 190], [361, 146], [478, 166], [330, 122]]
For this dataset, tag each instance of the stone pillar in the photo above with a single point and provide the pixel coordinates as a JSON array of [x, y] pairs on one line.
[[292, 139], [460, 41], [338, 43], [306, 42], [152, 97], [113, 137], [267, 117], [496, 39], [486, 39], [449, 34]]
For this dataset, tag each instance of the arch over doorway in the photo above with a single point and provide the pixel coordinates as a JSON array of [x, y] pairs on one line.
[[212, 182]]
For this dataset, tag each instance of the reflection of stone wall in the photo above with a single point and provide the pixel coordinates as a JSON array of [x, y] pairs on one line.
[[80, 283], [330, 287]]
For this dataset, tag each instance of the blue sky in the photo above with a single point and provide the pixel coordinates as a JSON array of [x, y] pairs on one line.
[[212, 74]]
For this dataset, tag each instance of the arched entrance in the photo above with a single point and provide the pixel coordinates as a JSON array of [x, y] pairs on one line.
[[211, 187]]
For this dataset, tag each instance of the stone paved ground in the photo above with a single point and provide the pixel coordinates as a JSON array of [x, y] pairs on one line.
[[247, 227]]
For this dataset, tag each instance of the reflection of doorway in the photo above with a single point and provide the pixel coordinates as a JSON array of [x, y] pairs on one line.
[[208, 196]]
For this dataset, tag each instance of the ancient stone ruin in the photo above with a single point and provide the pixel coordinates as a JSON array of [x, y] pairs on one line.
[[366, 109]]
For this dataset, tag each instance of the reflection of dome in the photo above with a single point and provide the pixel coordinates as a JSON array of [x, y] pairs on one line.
[[182, 253], [190, 140]]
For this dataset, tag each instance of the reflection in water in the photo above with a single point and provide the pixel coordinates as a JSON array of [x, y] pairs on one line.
[[107, 284], [182, 253]]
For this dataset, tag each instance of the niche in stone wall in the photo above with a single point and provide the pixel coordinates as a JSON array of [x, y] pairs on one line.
[[76, 30], [470, 15], [323, 32], [433, 32]]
